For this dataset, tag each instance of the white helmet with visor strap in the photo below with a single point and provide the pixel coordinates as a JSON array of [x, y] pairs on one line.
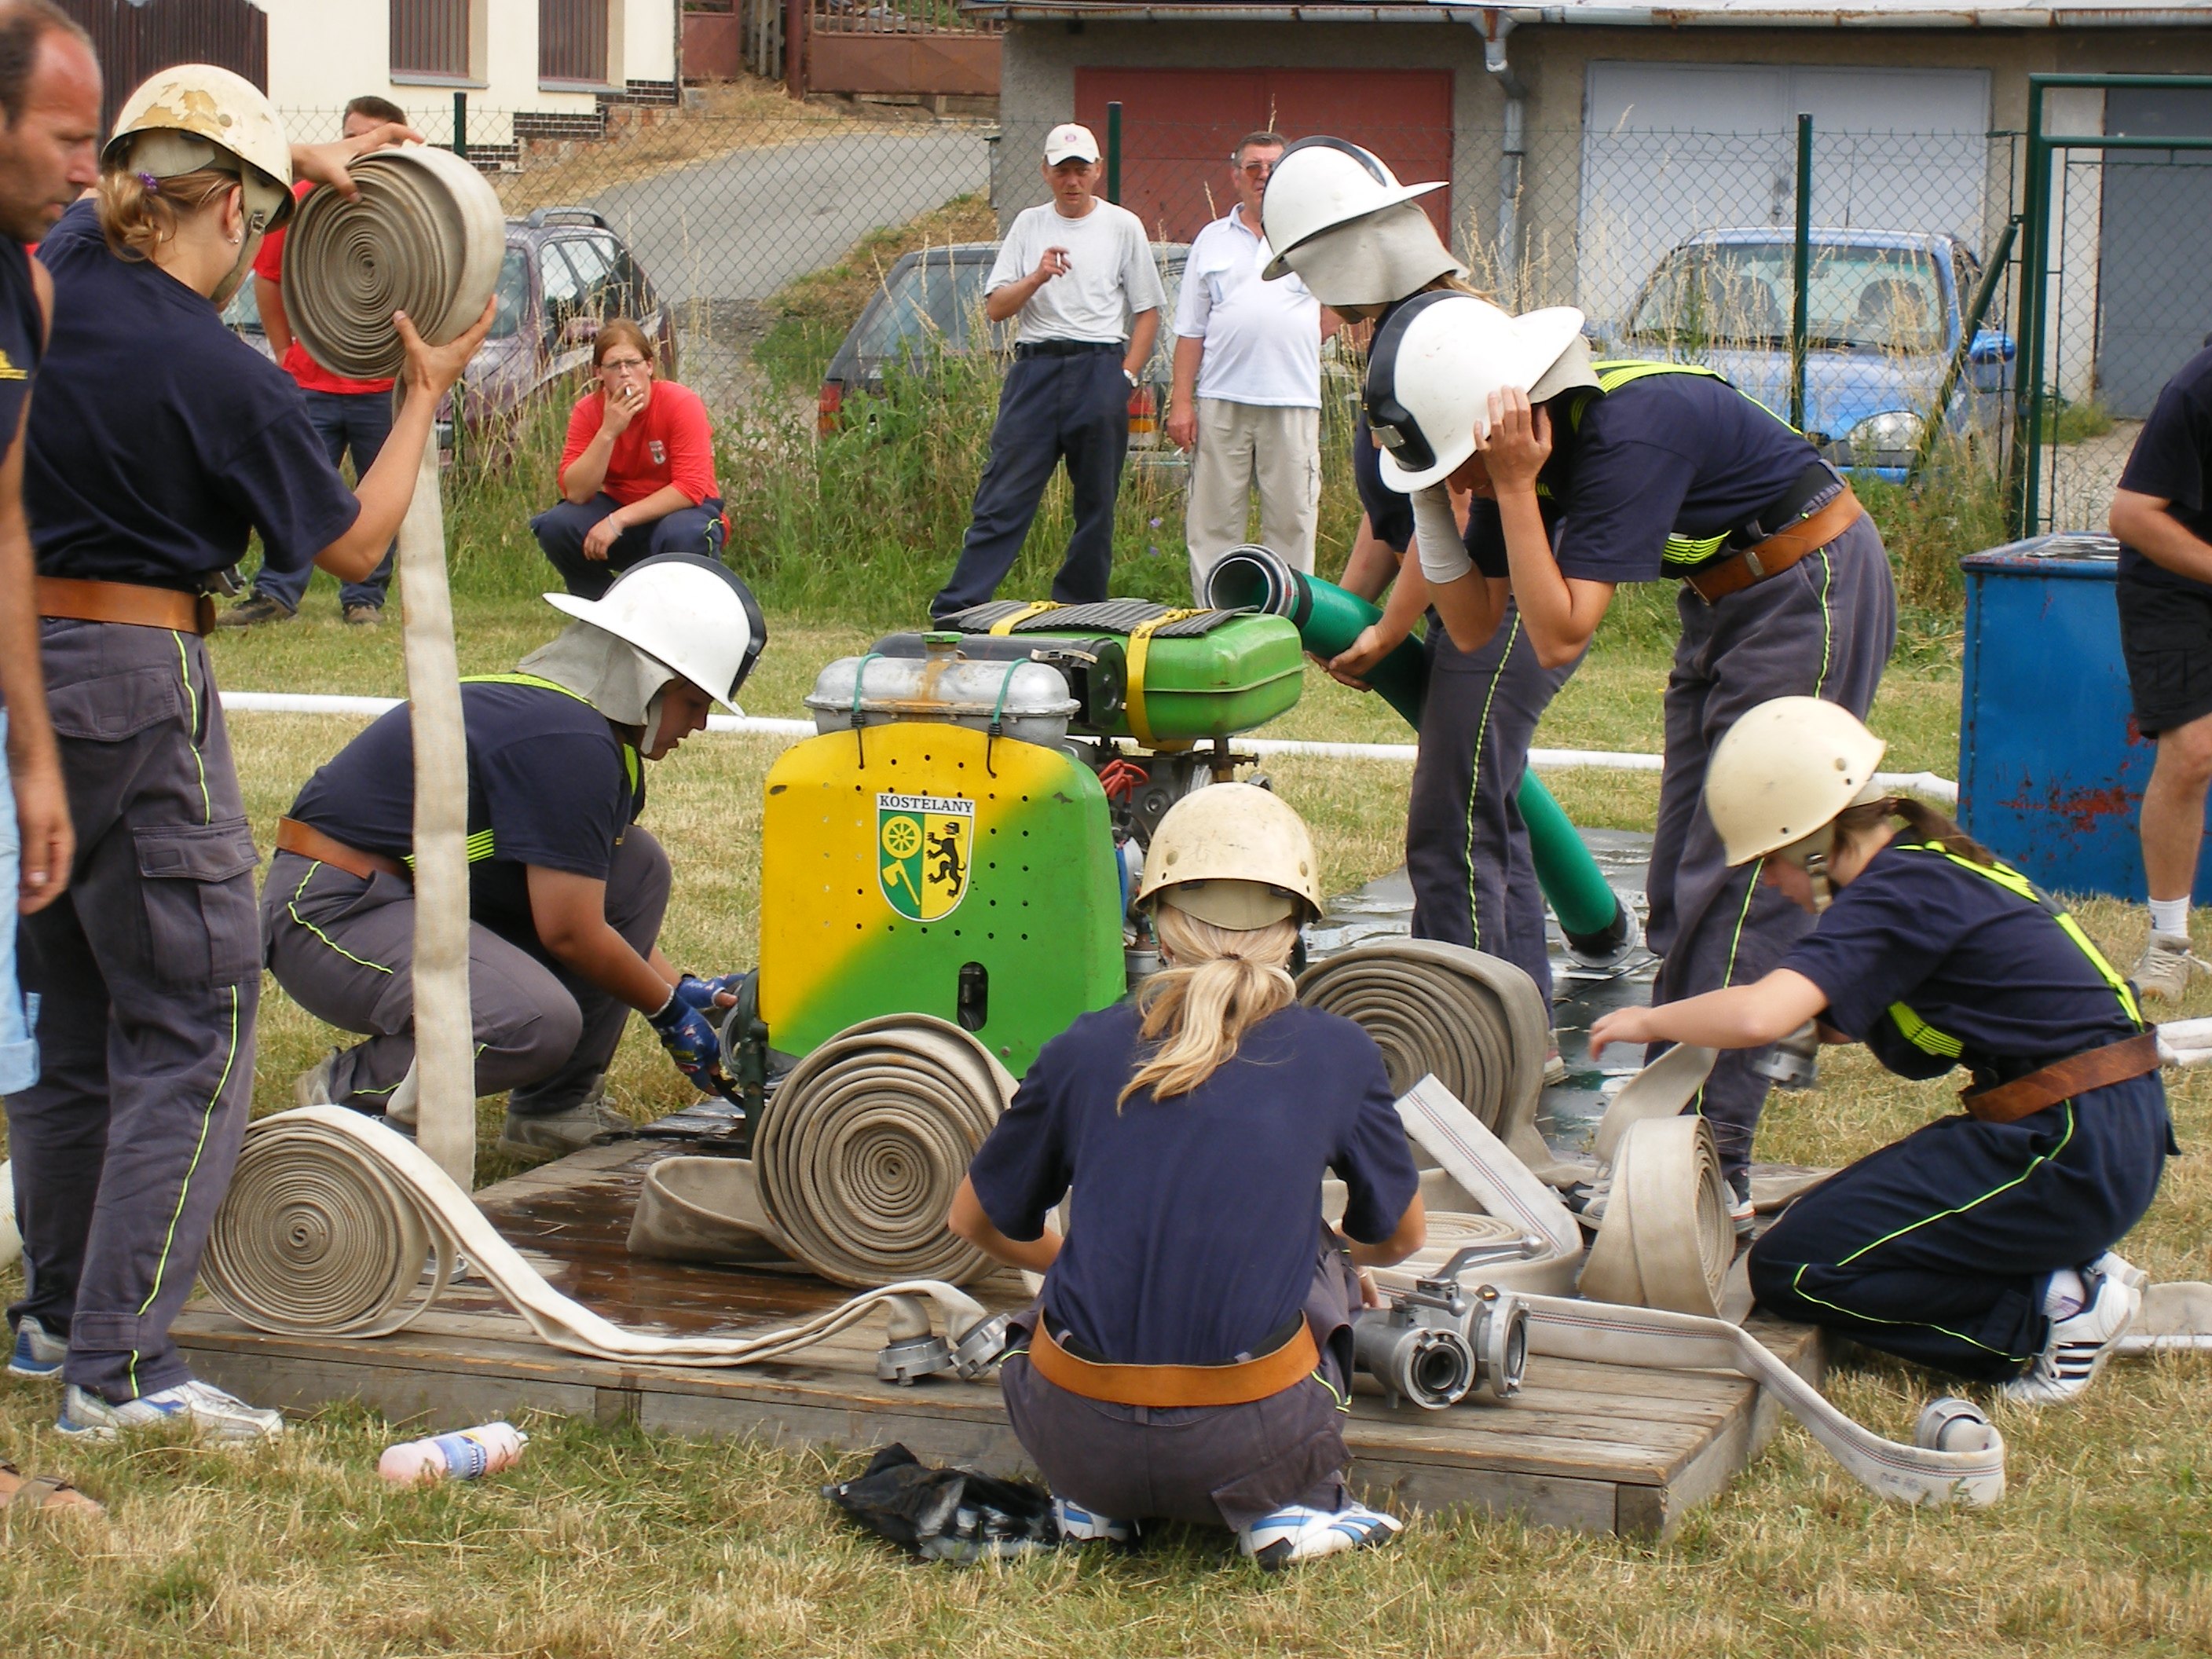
[[693, 614], [1780, 776], [1235, 855]]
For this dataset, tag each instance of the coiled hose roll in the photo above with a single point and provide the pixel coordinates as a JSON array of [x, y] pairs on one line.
[[861, 1151], [1479, 1024], [427, 236]]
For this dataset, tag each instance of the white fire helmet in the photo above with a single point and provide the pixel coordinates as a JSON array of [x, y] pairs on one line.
[[693, 614]]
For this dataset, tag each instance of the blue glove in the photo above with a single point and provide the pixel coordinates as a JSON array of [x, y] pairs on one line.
[[691, 1042], [700, 993]]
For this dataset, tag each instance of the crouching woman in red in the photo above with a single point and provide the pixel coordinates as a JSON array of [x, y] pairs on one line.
[[1190, 1358]]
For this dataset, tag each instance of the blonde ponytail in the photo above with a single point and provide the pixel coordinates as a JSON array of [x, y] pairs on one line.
[[1225, 982], [139, 212]]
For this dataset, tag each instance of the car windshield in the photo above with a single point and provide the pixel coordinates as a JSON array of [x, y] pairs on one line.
[[1740, 293], [931, 298], [512, 294]]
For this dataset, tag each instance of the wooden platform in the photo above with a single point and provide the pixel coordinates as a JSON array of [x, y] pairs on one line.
[[1600, 1449]]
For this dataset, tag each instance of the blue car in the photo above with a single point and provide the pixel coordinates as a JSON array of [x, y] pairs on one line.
[[1885, 310]]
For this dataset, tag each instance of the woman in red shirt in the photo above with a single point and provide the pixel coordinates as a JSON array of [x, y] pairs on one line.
[[637, 474]]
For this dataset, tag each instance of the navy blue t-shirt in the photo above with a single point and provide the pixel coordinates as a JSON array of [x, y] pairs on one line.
[[164, 440], [23, 335], [548, 785], [1682, 454], [1987, 968], [1389, 514], [1197, 1219], [2172, 460]]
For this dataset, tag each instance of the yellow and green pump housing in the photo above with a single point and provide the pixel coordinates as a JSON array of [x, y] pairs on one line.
[[929, 868]]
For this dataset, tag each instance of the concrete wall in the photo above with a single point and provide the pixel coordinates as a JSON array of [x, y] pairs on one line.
[[323, 53], [1038, 85]]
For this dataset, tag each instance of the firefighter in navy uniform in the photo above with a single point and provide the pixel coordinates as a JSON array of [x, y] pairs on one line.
[[1979, 1245], [1649, 471], [1357, 239], [566, 891], [163, 443]]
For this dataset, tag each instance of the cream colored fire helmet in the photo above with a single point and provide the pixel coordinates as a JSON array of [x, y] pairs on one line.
[[693, 614], [1235, 855], [1435, 364], [1338, 217], [1780, 776]]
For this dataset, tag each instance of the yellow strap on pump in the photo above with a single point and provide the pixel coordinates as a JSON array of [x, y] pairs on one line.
[[1140, 648], [1006, 624]]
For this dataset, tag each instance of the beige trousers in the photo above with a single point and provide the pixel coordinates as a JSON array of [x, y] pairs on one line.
[[1239, 445]]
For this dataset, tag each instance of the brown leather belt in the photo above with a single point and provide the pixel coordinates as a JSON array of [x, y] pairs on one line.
[[66, 597], [309, 843], [1779, 551], [1176, 1385], [2092, 1068]]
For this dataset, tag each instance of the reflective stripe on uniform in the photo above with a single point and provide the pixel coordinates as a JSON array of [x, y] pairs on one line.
[[1942, 1044]]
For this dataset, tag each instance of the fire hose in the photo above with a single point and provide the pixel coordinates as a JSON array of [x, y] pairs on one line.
[[1479, 1025], [426, 236], [336, 1226]]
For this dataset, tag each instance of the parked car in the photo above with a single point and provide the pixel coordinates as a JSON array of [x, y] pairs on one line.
[[565, 273], [1885, 310], [937, 294]]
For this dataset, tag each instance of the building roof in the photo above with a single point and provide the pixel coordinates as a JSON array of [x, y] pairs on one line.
[[1608, 13]]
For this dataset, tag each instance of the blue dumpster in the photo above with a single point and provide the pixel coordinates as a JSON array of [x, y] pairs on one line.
[[2051, 770]]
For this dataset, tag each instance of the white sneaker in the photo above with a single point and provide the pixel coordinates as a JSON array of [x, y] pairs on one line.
[[556, 1134], [2079, 1345], [313, 1086], [1742, 1212], [36, 1355], [2163, 969], [1588, 1200], [218, 1415], [1079, 1526], [1299, 1533], [2113, 1267]]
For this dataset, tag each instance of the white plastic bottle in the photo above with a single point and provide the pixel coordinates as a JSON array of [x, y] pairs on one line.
[[485, 1449]]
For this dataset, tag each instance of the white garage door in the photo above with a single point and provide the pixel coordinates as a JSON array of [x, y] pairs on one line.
[[1669, 149]]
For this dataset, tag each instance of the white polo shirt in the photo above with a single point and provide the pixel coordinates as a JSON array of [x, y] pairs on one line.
[[1262, 338], [1110, 276]]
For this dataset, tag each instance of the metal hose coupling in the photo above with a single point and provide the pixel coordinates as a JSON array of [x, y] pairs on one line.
[[1438, 1343], [426, 236]]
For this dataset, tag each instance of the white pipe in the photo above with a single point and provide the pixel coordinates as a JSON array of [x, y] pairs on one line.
[[1713, 13]]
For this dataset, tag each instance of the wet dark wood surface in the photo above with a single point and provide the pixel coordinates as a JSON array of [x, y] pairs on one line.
[[1588, 1447]]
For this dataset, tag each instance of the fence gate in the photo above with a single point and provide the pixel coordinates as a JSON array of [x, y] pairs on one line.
[[2116, 283], [924, 47]]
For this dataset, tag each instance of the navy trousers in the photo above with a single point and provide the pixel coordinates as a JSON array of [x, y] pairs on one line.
[[1938, 1249], [1052, 409], [355, 421], [561, 529], [149, 972], [1821, 628], [1467, 849]]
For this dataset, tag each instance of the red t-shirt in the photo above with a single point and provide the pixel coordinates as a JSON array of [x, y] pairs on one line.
[[311, 374], [668, 444]]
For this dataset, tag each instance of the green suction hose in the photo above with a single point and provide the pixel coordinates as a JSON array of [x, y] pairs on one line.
[[1329, 619]]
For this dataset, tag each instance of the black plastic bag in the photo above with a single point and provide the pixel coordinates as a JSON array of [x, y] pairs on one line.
[[946, 1515]]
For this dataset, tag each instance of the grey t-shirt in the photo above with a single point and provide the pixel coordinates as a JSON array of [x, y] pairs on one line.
[[1110, 276]]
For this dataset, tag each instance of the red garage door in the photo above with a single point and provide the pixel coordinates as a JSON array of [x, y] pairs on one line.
[[1177, 126]]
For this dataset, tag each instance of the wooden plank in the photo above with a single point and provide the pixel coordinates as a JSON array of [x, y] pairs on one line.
[[1540, 1500]]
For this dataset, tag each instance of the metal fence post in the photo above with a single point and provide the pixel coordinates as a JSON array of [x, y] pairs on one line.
[[1801, 272], [1114, 152], [794, 49], [461, 125], [2027, 383]]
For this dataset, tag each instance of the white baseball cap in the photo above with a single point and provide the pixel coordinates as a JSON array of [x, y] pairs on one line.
[[1068, 141]]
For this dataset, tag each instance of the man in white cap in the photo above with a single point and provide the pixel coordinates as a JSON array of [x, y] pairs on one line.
[[1080, 274]]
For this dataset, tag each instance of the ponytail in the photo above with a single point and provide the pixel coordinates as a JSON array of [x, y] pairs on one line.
[[1224, 982], [139, 212], [1854, 823]]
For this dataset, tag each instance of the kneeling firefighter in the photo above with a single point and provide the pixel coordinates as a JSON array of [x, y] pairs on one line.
[[1611, 472], [567, 891], [1191, 1356], [1980, 1244]]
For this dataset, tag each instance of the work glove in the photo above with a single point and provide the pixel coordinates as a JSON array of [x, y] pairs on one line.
[[700, 993], [692, 1043]]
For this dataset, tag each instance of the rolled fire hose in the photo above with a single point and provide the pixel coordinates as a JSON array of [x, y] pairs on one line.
[[1668, 1240], [427, 236], [861, 1151], [1597, 925], [1477, 1023], [11, 1241], [1961, 1457], [332, 1219]]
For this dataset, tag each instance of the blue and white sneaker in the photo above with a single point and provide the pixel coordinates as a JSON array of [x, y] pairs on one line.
[[217, 1415], [36, 1355], [1079, 1526], [1299, 1533]]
